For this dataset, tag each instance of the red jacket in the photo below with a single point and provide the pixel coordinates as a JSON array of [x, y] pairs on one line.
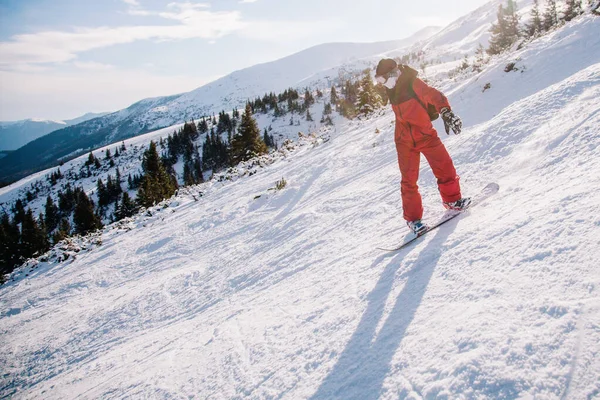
[[412, 120]]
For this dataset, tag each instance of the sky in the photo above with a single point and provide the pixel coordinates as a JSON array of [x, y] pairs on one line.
[[60, 59]]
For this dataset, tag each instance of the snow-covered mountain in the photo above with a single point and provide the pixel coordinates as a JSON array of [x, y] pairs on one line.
[[15, 134], [84, 117], [235, 290], [315, 67]]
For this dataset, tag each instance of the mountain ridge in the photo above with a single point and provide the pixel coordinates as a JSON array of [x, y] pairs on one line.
[[225, 93], [16, 134]]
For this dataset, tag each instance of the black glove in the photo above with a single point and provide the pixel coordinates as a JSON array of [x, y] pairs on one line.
[[451, 121]]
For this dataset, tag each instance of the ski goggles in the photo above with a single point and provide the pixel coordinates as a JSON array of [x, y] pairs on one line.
[[388, 80]]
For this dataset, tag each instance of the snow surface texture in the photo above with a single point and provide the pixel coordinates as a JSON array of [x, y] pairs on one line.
[[249, 292]]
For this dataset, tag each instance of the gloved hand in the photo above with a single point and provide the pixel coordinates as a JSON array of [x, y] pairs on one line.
[[451, 121]]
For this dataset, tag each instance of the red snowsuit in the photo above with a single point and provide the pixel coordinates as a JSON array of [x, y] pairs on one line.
[[414, 134]]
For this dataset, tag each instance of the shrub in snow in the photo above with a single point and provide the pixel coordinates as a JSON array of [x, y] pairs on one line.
[[279, 185], [510, 67]]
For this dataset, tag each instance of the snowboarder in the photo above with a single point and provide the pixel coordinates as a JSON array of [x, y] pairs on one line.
[[416, 104]]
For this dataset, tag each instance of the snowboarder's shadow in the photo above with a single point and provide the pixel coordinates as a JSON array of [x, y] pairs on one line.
[[365, 362]]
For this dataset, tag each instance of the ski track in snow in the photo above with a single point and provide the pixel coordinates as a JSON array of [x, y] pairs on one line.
[[284, 296]]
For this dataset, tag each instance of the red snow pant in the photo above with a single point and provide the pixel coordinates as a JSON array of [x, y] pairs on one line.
[[409, 157]]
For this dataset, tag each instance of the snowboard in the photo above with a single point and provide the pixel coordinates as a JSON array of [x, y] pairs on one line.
[[489, 190]]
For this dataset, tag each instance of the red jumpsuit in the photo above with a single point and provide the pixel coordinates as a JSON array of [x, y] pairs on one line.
[[414, 134]]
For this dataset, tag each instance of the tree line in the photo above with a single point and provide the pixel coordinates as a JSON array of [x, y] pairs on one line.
[[507, 30], [229, 139]]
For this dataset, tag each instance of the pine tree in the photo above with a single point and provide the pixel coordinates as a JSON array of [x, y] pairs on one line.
[[535, 27], [63, 231], [267, 138], [479, 58], [102, 193], [368, 99], [188, 175], [512, 19], [66, 200], [156, 184], [550, 15], [197, 169], [505, 31], [19, 211], [247, 142], [91, 159], [42, 239], [10, 250], [334, 96], [308, 99], [125, 208], [573, 10], [203, 126], [33, 237], [309, 117], [52, 214], [107, 154], [118, 180], [84, 218]]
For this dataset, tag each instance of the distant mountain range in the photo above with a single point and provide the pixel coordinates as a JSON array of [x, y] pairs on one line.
[[317, 66], [15, 134]]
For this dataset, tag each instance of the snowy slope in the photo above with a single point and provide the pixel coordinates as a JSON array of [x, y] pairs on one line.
[[284, 295], [129, 161]]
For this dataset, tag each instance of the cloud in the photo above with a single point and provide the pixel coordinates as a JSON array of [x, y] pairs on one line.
[[194, 21], [247, 1], [93, 66], [187, 20], [289, 31]]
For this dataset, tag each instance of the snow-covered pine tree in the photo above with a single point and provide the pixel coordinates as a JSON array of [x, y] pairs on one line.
[[247, 143], [102, 193], [188, 175], [479, 58], [333, 98], [63, 231], [52, 214], [267, 138], [505, 31], [84, 218], [573, 9], [33, 237], [550, 15], [156, 184], [535, 27], [309, 117], [10, 250], [19, 211], [197, 168], [368, 99]]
